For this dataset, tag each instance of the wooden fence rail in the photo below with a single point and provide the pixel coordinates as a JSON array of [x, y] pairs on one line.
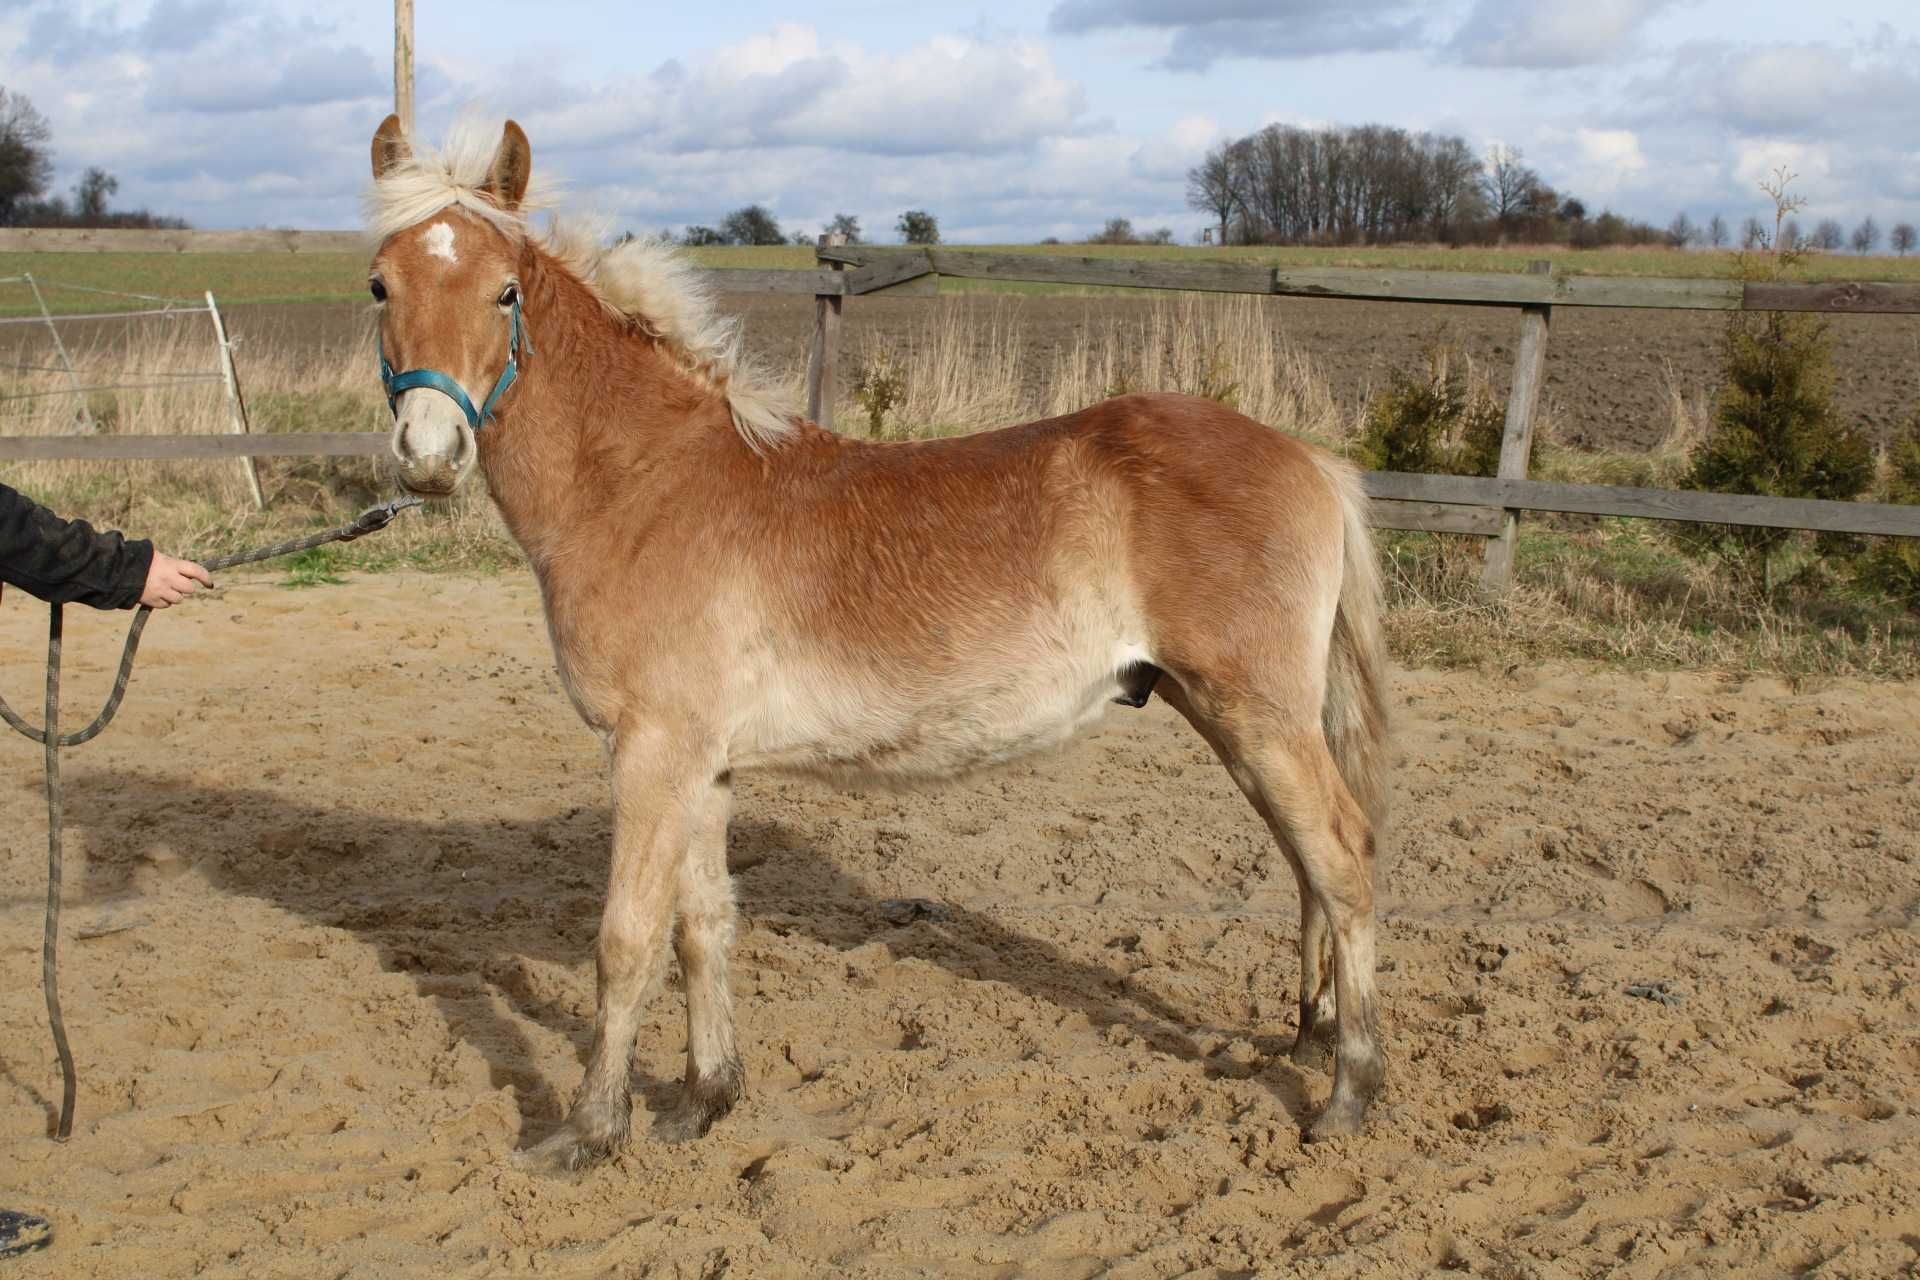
[[1448, 504], [1451, 504], [1469, 288]]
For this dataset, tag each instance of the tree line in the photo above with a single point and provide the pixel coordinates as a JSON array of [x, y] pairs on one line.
[[754, 224], [1827, 236], [1378, 184], [26, 167]]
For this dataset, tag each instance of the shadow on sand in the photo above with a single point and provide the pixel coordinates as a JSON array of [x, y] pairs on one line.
[[448, 902]]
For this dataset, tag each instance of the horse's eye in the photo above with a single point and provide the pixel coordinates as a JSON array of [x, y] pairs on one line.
[[510, 295], [377, 289]]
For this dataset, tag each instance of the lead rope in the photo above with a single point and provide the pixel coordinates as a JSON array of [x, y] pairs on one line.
[[370, 520]]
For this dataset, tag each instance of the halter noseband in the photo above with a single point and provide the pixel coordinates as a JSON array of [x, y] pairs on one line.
[[446, 386]]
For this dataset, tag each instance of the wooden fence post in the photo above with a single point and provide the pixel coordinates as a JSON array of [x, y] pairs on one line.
[[825, 353], [236, 407], [403, 64], [1516, 440]]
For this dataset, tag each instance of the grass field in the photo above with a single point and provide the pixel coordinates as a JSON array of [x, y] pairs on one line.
[[327, 277]]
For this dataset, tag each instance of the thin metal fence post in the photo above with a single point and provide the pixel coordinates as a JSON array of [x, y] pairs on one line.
[[1516, 440], [236, 407], [825, 353], [86, 417]]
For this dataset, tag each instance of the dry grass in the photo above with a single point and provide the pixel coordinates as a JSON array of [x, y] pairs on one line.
[[967, 365], [203, 508], [1607, 590], [1615, 591]]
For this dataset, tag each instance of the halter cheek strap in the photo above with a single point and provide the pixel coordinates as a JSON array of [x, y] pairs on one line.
[[395, 383]]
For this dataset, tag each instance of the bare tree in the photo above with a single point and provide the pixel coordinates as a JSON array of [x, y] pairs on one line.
[[1716, 234], [26, 163], [1214, 186], [1453, 176], [1508, 182], [1786, 232], [1901, 240], [90, 197], [1753, 234], [1827, 235], [1866, 236], [1681, 232]]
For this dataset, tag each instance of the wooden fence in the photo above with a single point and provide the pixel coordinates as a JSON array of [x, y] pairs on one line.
[[1489, 507]]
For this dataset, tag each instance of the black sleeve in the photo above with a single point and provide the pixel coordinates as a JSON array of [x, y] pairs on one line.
[[66, 561]]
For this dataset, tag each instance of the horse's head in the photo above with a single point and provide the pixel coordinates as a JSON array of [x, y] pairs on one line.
[[448, 289]]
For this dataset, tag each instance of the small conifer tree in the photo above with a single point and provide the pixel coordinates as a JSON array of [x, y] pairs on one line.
[[1432, 421], [1773, 430], [1892, 565]]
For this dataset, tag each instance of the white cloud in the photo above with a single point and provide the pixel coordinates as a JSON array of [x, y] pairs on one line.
[[1206, 31], [1551, 33], [1167, 156], [1758, 160], [1608, 159], [786, 88]]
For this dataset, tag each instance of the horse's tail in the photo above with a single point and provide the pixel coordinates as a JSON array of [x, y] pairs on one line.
[[1354, 713]]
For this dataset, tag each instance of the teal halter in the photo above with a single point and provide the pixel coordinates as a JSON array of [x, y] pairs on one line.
[[446, 386]]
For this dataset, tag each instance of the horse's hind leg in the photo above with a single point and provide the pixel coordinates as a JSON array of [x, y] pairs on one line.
[[1297, 788], [658, 794], [1318, 1011], [715, 1079], [1283, 765]]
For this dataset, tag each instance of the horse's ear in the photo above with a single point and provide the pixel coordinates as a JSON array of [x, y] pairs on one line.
[[390, 147], [512, 167]]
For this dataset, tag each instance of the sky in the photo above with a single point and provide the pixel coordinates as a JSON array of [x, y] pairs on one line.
[[1009, 121]]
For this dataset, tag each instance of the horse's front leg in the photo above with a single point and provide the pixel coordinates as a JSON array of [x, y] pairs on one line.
[[659, 795], [703, 939]]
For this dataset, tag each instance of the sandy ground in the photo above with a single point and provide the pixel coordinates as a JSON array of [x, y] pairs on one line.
[[333, 882]]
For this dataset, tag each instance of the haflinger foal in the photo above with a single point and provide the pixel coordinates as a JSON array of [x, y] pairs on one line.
[[729, 587]]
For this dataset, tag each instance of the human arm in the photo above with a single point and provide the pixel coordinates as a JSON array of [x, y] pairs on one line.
[[68, 561]]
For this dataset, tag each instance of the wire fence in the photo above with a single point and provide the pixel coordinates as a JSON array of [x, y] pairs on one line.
[[42, 380]]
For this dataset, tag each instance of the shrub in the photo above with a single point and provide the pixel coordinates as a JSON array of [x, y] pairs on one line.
[[1773, 432], [1432, 421], [1891, 566], [878, 387]]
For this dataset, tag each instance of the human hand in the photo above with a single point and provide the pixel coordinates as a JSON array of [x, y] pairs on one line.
[[169, 581]]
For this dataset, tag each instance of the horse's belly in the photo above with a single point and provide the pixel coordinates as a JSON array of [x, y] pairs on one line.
[[855, 730]]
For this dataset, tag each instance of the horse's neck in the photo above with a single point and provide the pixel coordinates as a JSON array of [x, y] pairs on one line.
[[601, 423]]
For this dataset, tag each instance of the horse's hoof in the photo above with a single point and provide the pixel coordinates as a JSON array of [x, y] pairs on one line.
[[704, 1100], [1339, 1120], [1315, 1052], [564, 1152], [687, 1122]]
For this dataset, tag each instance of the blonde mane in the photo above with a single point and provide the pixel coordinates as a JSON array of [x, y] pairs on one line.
[[645, 280]]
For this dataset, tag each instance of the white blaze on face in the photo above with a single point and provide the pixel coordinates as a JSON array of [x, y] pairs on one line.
[[439, 242]]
